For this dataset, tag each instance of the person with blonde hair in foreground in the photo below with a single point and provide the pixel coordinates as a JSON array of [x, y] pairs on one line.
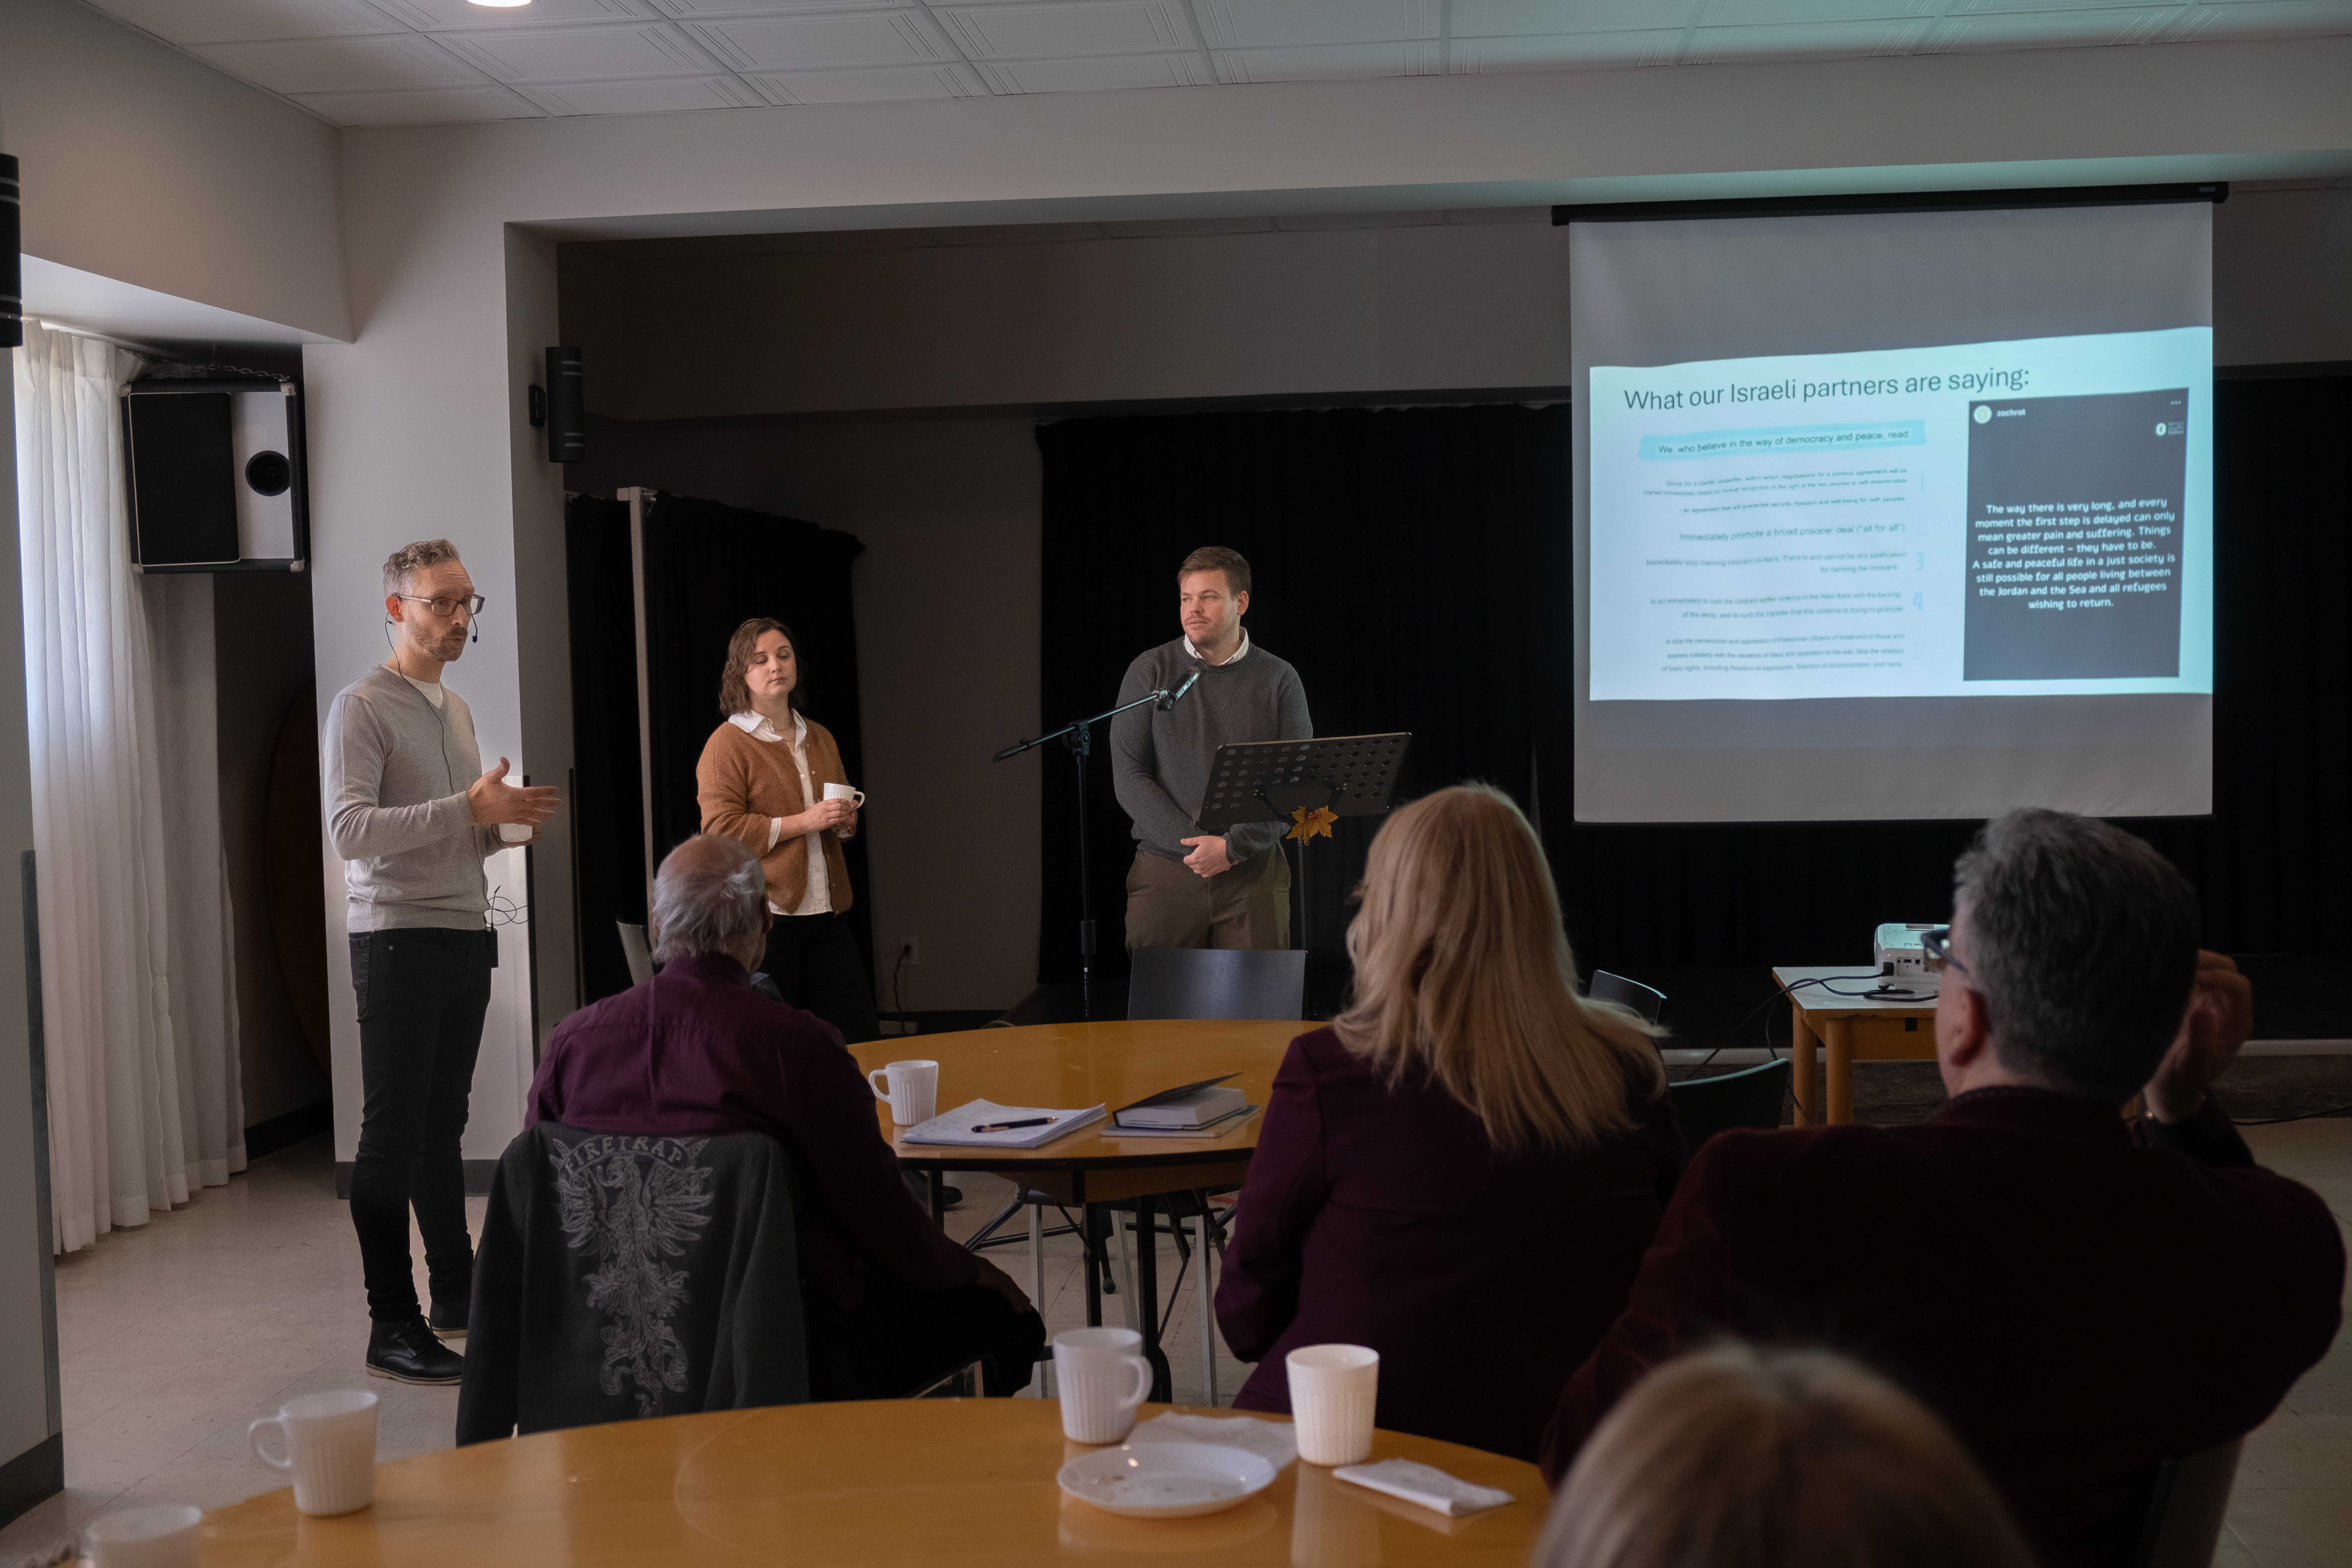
[[1463, 1170], [1737, 1457]]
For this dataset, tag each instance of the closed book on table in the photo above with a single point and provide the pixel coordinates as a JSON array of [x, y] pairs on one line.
[[1188, 1105]]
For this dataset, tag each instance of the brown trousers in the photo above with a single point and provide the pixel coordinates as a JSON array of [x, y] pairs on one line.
[[1171, 905]]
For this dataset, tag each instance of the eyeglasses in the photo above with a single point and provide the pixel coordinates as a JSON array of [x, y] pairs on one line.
[[1938, 945], [443, 608]]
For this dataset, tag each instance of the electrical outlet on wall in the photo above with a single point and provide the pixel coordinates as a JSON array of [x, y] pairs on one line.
[[910, 950]]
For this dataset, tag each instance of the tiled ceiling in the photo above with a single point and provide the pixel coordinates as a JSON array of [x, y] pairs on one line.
[[408, 62]]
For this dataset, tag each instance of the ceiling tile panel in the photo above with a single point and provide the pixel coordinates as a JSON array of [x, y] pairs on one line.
[[1804, 13], [1507, 18], [1102, 74], [1330, 62], [826, 41], [2056, 9], [442, 106], [726, 10], [436, 15], [886, 86], [1567, 52], [340, 65], [2264, 19], [558, 54], [666, 95], [1273, 24], [1066, 28], [236, 21], [1807, 40], [2023, 30]]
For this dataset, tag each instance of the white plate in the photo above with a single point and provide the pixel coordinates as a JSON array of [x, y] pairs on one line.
[[1166, 1480]]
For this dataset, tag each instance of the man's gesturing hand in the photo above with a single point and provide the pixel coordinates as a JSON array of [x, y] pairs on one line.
[[2221, 1015], [493, 800], [1208, 855]]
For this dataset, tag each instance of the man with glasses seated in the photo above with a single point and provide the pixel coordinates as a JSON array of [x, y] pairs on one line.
[[2081, 1297], [413, 813]]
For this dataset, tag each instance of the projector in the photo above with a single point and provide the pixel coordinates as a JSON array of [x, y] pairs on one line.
[[1905, 972]]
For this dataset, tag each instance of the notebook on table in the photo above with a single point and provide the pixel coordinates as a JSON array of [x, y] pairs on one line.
[[1203, 1109], [1009, 1126]]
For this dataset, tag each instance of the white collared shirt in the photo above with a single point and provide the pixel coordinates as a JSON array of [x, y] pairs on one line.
[[1239, 654], [818, 900]]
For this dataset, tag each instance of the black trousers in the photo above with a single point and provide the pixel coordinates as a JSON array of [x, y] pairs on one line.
[[815, 964], [901, 1340], [421, 994]]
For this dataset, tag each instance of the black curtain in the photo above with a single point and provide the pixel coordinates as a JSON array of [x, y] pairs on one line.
[[708, 568], [1413, 564], [605, 798]]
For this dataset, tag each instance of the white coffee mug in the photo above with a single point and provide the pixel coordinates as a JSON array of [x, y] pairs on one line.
[[329, 1449], [842, 792], [166, 1535], [1100, 1377], [912, 1087], [1333, 1392]]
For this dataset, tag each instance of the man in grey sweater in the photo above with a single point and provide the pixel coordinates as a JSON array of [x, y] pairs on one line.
[[1190, 888], [414, 813]]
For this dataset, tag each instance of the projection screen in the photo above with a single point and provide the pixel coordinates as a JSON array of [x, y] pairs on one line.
[[1894, 516]]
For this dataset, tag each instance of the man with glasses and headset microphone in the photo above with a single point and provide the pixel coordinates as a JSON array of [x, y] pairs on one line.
[[414, 813]]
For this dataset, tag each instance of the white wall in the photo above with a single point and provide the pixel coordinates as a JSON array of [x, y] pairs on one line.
[[144, 165], [948, 601], [418, 419], [2281, 259]]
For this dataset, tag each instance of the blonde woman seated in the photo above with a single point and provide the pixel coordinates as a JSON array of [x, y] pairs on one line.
[[1463, 1170], [1741, 1457]]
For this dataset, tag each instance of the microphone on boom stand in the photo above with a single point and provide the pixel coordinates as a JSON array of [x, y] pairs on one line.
[[1169, 698]]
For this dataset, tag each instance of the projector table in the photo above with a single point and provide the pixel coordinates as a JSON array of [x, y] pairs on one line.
[[1854, 1028]]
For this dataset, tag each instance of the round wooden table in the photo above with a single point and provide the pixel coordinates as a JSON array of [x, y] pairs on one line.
[[919, 1483], [1071, 1066]]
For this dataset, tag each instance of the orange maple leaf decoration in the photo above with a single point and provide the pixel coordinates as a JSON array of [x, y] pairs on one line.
[[1311, 823]]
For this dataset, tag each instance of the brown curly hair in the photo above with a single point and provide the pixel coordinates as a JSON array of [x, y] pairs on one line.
[[734, 696]]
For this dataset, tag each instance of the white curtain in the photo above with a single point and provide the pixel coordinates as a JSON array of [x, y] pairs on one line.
[[137, 1000]]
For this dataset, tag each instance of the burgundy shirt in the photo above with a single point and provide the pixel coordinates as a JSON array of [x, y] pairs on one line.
[[2076, 1304], [694, 1051], [1385, 1218]]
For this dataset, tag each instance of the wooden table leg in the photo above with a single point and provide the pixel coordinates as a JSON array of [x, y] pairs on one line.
[[1147, 1299], [1801, 1063], [1838, 1033]]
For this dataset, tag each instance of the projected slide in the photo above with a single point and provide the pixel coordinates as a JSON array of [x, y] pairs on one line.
[[1996, 518]]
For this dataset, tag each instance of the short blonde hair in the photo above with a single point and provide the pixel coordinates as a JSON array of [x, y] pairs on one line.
[[1737, 1457], [1463, 973], [404, 564]]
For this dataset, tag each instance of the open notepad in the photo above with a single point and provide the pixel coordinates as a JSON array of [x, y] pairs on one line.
[[955, 1127]]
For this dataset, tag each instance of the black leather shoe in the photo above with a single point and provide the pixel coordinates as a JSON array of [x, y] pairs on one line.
[[407, 1352], [448, 1322]]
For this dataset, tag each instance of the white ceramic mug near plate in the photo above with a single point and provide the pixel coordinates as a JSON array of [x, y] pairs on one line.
[[1166, 1480]]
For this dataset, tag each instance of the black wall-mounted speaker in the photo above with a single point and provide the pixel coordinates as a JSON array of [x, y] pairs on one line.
[[567, 407], [217, 475], [12, 265]]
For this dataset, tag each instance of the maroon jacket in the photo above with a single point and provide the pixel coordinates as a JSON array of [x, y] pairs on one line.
[[696, 1051], [2076, 1304], [1383, 1218]]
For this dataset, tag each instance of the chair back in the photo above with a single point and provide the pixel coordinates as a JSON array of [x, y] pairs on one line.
[[1647, 1000], [1751, 1097], [633, 949], [627, 1276], [2184, 1515], [1217, 982]]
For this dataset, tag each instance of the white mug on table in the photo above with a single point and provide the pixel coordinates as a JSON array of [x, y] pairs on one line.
[[1101, 1377], [1333, 1390], [912, 1087], [329, 1449], [166, 1535]]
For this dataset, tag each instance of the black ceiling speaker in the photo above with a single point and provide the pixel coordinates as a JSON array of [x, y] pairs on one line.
[[11, 265], [216, 475], [567, 407]]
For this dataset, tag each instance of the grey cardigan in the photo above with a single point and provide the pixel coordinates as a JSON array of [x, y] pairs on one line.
[[395, 773]]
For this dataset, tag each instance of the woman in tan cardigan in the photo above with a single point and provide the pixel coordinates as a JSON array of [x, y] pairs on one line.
[[761, 781]]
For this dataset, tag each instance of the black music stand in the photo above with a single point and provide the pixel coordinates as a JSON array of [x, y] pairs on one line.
[[1266, 781]]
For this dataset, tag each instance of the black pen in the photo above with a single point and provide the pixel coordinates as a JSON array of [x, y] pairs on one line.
[[1009, 1126]]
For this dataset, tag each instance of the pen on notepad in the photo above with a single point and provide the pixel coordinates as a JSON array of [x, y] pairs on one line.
[[1009, 1126]]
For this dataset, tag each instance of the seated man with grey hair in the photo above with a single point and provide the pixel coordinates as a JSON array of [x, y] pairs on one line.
[[696, 1052], [2081, 1297]]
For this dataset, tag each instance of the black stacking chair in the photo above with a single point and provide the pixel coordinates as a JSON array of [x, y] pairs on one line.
[[1647, 1000], [1706, 1105], [1217, 982], [2185, 1513]]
